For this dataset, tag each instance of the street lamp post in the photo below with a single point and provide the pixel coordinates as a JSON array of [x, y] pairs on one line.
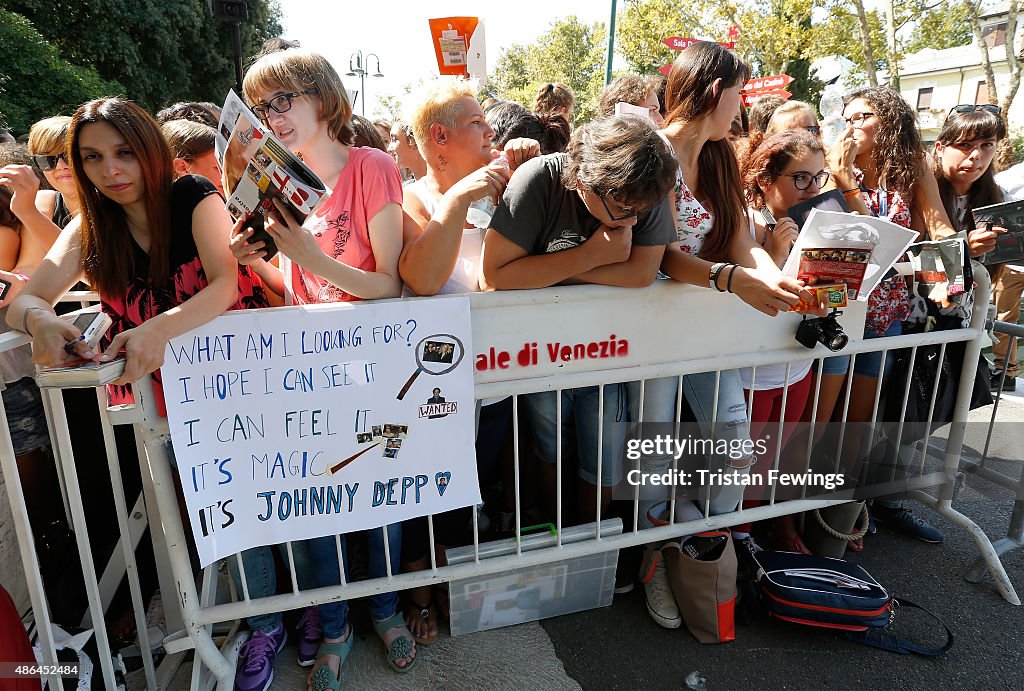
[[358, 65]]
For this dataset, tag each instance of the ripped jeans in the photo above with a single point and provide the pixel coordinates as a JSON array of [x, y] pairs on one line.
[[659, 398]]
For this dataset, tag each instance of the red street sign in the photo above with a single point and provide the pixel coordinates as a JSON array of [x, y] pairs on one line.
[[680, 42], [665, 69], [775, 81], [751, 99], [684, 42]]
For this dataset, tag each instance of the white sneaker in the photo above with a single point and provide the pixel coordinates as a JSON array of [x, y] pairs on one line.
[[661, 603]]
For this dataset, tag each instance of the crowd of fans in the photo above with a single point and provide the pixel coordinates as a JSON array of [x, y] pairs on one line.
[[133, 205]]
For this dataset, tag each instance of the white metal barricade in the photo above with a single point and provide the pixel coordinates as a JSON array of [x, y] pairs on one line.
[[671, 330]]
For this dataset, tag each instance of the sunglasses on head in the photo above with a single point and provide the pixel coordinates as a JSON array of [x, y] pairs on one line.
[[971, 107], [48, 163]]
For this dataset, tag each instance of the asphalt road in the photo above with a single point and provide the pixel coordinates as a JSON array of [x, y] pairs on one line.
[[620, 647]]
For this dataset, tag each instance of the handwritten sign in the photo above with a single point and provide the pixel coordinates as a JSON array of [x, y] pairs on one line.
[[774, 81], [318, 420]]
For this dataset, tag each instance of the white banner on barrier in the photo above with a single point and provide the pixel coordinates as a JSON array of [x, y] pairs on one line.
[[296, 423]]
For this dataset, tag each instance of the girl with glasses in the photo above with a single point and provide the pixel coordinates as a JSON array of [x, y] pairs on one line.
[[881, 169], [784, 170], [346, 251]]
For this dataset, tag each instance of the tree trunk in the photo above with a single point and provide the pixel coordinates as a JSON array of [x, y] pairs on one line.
[[865, 37], [986, 61], [890, 39]]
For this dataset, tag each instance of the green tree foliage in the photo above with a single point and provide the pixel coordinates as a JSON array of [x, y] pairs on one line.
[[570, 52], [161, 51], [35, 81], [645, 24], [840, 35], [942, 25], [773, 34]]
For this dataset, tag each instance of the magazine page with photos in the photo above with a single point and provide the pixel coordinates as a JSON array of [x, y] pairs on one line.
[[258, 168], [842, 248]]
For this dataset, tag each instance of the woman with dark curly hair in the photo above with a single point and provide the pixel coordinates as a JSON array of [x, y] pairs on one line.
[[881, 169]]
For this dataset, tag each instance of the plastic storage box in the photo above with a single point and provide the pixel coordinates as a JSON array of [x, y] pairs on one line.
[[531, 593]]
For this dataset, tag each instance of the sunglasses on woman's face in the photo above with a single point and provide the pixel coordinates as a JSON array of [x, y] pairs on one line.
[[971, 107], [48, 163]]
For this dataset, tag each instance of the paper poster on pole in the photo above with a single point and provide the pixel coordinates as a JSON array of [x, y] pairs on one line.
[[319, 420], [453, 39]]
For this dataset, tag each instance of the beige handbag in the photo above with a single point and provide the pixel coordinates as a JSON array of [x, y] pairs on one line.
[[704, 590]]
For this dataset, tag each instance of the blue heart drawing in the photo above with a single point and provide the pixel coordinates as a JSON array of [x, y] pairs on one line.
[[442, 480]]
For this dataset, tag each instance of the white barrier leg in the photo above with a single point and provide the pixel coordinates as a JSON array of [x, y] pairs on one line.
[[944, 504], [174, 537], [27, 547]]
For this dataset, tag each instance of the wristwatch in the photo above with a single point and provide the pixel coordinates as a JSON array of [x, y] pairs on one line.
[[716, 269]]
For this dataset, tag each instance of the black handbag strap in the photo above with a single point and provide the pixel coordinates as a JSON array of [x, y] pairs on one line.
[[878, 638]]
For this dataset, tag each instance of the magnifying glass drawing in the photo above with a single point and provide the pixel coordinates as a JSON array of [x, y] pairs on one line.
[[436, 355]]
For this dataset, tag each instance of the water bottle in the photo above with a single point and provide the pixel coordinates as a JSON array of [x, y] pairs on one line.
[[480, 212], [833, 126]]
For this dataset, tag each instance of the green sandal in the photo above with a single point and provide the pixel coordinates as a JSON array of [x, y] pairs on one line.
[[401, 647], [324, 679]]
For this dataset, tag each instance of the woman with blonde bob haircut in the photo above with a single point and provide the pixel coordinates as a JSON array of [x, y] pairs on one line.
[[42, 213]]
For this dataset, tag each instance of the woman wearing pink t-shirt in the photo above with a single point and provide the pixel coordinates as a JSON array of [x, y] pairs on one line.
[[348, 250]]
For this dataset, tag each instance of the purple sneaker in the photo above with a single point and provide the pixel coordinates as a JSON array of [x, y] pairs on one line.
[[256, 659], [310, 636]]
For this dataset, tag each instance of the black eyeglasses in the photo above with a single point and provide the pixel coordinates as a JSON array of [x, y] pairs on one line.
[[802, 181], [280, 104], [858, 119], [48, 163], [971, 107], [627, 211], [814, 129]]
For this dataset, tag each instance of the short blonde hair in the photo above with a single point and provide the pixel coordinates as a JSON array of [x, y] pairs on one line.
[[438, 101], [299, 70], [787, 108], [48, 137]]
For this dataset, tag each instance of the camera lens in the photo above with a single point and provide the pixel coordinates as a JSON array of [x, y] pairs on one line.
[[838, 342]]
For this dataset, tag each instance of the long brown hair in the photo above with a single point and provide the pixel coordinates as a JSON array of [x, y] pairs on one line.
[[965, 127], [108, 263], [898, 150], [690, 96]]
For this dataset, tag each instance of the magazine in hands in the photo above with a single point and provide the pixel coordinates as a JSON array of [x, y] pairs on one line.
[[80, 373], [1009, 245], [258, 169], [840, 249]]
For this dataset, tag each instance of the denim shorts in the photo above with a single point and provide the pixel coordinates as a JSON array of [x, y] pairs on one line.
[[25, 416], [580, 425], [870, 364], [835, 365]]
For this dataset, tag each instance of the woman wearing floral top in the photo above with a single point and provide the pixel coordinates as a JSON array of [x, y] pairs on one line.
[[881, 169]]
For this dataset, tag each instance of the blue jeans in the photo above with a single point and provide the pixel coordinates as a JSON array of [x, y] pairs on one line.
[[580, 406], [660, 396], [324, 554], [261, 577]]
